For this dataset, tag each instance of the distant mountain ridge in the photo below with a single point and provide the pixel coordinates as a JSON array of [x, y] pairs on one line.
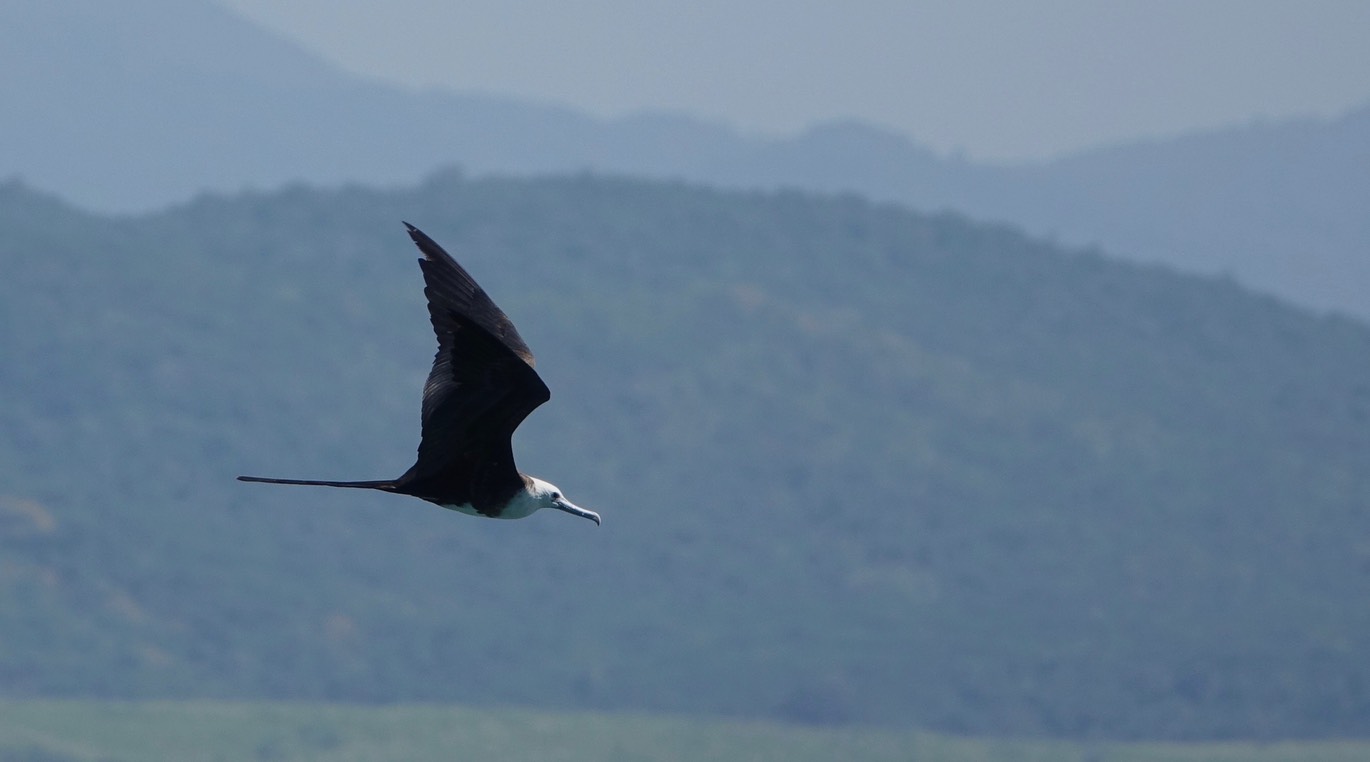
[[135, 105]]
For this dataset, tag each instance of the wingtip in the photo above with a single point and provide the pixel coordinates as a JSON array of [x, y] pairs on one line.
[[420, 239], [432, 252]]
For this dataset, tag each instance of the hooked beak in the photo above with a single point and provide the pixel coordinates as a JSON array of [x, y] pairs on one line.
[[562, 504]]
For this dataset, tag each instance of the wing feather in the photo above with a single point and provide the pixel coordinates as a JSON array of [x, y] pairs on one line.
[[481, 386], [450, 285]]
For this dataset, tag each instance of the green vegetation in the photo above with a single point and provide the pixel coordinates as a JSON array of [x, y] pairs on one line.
[[76, 731], [857, 465]]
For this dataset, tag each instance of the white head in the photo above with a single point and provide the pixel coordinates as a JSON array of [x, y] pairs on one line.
[[546, 495]]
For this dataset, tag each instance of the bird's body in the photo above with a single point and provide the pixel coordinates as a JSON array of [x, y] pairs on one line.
[[521, 504], [480, 389]]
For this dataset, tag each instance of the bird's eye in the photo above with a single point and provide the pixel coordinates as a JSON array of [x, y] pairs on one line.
[[556, 495]]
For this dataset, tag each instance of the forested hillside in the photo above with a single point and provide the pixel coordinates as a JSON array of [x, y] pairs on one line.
[[855, 464]]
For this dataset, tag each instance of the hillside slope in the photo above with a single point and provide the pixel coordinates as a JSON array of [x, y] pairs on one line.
[[855, 464]]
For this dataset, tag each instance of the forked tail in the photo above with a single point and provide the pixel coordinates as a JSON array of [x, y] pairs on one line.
[[383, 484]]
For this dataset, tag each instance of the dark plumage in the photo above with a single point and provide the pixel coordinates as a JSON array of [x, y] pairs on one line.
[[480, 389]]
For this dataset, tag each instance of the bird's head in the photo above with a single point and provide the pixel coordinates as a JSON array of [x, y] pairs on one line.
[[548, 495]]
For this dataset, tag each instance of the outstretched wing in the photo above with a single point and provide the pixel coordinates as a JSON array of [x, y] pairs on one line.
[[482, 384], [451, 287]]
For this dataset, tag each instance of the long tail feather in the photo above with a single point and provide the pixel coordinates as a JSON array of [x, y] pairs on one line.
[[383, 484]]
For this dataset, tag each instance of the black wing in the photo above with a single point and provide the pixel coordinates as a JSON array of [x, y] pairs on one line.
[[480, 389]]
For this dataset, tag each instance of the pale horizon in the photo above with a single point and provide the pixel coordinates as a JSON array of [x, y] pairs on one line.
[[993, 80]]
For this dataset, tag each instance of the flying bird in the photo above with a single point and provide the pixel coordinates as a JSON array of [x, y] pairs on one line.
[[480, 389]]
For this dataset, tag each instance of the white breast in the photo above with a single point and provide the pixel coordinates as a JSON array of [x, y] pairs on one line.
[[522, 506]]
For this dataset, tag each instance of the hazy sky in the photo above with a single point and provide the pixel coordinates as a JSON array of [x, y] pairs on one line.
[[999, 79]]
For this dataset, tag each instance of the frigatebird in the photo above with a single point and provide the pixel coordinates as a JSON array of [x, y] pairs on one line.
[[480, 389]]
